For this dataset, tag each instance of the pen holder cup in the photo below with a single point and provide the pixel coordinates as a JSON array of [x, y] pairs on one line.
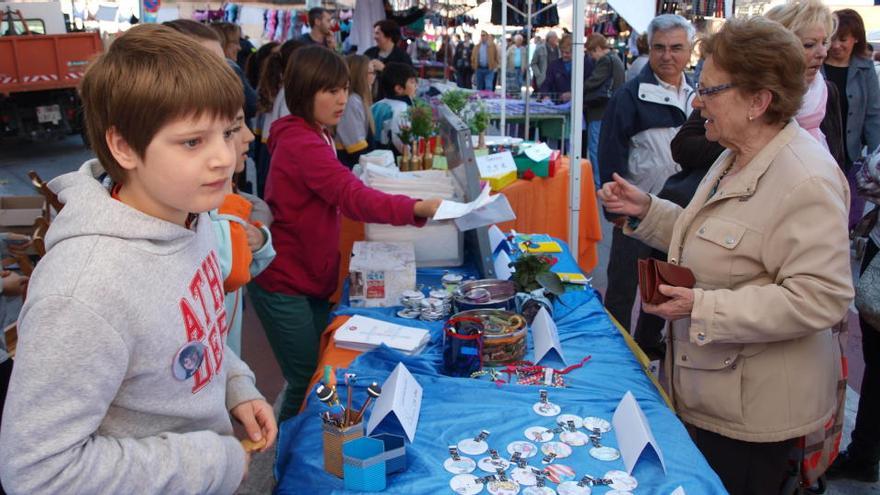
[[462, 352], [363, 462], [334, 439], [395, 452]]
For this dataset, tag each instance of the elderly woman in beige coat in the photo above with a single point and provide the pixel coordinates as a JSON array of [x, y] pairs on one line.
[[750, 354]]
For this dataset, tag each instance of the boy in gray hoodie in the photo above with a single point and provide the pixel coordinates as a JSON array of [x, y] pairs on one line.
[[122, 381]]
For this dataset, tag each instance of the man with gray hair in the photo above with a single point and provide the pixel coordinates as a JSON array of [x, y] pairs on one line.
[[639, 123], [545, 53]]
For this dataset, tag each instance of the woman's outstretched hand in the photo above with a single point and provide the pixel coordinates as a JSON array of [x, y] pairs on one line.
[[623, 198]]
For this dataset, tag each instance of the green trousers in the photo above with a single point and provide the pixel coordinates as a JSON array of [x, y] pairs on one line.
[[293, 325]]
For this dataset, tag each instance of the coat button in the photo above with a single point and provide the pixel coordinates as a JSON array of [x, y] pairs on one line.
[[727, 362], [684, 357], [703, 230], [729, 240], [666, 99], [701, 336]]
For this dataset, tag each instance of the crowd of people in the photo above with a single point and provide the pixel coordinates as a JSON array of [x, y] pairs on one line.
[[745, 176]]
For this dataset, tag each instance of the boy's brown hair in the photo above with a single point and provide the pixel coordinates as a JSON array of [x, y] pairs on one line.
[[312, 69], [194, 29], [150, 76]]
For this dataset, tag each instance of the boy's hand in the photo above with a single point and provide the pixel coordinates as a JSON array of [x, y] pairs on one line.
[[427, 208], [258, 420], [13, 283], [255, 237]]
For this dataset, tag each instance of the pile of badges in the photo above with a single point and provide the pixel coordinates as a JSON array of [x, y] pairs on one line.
[[531, 480], [451, 281], [437, 306], [412, 304]]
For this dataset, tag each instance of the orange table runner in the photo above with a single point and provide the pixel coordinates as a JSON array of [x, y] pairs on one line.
[[541, 206]]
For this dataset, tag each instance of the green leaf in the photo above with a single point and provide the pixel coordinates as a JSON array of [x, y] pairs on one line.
[[551, 283]]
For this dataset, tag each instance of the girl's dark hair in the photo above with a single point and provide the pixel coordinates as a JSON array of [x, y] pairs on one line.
[[272, 74], [849, 23], [312, 69], [254, 64]]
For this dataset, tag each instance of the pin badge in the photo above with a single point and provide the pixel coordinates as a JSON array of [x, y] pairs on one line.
[[466, 484], [476, 445], [574, 438], [621, 480], [187, 360], [561, 450], [565, 419], [558, 473], [618, 492], [544, 407], [525, 449], [503, 487], [456, 464], [597, 425], [539, 490], [494, 462], [538, 434], [572, 488], [605, 453], [525, 476]]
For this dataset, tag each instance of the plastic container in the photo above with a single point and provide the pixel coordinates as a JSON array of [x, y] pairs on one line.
[[462, 346], [395, 452], [503, 337], [499, 294], [334, 439], [364, 464], [436, 244]]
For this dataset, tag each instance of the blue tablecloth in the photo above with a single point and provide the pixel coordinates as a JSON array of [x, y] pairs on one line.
[[458, 408]]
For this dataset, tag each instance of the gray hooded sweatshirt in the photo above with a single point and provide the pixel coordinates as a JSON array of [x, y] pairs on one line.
[[94, 405]]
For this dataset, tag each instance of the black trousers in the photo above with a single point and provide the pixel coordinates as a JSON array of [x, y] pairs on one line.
[[623, 280], [746, 468], [5, 375], [865, 444]]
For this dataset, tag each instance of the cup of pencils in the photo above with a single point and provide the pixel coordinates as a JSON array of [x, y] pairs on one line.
[[341, 423]]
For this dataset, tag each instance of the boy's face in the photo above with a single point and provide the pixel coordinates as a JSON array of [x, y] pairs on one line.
[[244, 139], [412, 84], [184, 170]]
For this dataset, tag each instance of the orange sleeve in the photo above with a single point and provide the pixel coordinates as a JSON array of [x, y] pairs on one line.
[[239, 273]]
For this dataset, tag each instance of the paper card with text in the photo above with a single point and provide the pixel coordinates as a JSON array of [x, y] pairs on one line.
[[397, 409]]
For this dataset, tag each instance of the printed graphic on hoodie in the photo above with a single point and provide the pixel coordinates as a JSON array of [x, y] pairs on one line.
[[204, 318]]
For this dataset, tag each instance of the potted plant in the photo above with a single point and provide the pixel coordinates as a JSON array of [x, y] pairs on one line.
[[478, 124], [533, 273]]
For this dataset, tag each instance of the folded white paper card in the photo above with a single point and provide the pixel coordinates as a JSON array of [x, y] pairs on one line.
[[496, 238], [454, 209], [496, 164], [538, 152], [399, 406], [678, 491], [634, 434], [502, 270], [495, 212], [360, 333], [546, 336]]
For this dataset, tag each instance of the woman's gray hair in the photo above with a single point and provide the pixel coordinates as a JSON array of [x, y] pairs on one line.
[[668, 22]]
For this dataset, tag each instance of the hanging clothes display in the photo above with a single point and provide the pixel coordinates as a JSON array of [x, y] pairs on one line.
[[547, 18], [709, 8], [365, 15]]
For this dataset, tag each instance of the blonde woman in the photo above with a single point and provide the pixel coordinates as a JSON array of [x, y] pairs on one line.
[[354, 134]]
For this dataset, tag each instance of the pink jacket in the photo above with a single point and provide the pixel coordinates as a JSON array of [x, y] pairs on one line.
[[307, 190]]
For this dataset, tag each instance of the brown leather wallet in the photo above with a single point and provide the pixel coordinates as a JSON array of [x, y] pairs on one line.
[[654, 272]]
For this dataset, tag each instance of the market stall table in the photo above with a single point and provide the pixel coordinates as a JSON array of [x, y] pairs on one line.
[[541, 205], [454, 409]]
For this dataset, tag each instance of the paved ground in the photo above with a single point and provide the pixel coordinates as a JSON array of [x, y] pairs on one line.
[[51, 159]]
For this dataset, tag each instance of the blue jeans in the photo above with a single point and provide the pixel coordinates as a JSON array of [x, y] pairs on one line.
[[486, 79], [593, 131]]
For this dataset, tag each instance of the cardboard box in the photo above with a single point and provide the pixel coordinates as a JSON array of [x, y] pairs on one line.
[[20, 211]]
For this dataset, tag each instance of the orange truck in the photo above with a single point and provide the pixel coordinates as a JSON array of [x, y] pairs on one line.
[[39, 74]]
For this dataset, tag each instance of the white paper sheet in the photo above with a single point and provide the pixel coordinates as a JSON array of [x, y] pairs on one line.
[[362, 333], [502, 270], [633, 432], [546, 336], [496, 211], [496, 164], [454, 209], [399, 405], [538, 152]]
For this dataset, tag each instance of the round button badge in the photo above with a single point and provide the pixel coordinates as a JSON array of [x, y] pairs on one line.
[[618, 492], [187, 360], [491, 465], [465, 484], [558, 473], [592, 423], [470, 446], [508, 487], [621, 480], [562, 450], [539, 490], [574, 438], [524, 476], [538, 434], [572, 488], [605, 453], [546, 409], [525, 449], [563, 420], [463, 465]]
